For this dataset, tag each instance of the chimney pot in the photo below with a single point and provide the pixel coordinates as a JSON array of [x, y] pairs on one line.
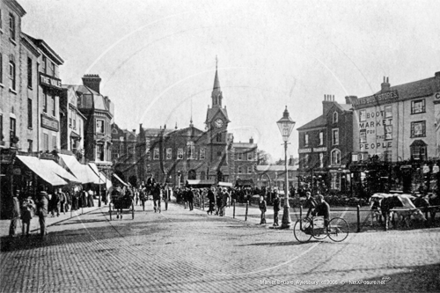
[[92, 81]]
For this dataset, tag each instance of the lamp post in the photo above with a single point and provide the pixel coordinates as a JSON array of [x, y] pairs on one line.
[[286, 124]]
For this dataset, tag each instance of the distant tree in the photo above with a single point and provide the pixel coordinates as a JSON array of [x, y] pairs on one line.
[[263, 157]]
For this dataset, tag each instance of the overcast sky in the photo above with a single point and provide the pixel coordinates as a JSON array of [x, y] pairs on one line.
[[157, 58]]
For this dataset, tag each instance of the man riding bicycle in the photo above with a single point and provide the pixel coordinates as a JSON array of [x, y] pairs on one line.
[[310, 203], [322, 209]]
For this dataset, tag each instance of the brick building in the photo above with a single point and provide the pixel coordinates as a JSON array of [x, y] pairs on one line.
[[326, 146], [98, 112], [49, 91], [124, 154], [244, 162], [71, 123], [178, 155], [397, 136]]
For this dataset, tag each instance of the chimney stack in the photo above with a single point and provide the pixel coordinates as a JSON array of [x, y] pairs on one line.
[[385, 86], [327, 103], [251, 140], [350, 99], [92, 81], [437, 74]]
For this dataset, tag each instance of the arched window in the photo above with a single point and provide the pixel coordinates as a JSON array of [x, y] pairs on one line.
[[336, 157], [335, 117], [239, 170]]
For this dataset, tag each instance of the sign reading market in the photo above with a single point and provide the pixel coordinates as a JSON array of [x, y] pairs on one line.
[[376, 129]]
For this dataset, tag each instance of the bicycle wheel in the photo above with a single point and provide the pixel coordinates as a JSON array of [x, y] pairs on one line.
[[302, 231], [338, 229]]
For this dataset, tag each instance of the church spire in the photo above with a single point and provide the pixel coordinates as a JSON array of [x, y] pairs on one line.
[[216, 82], [216, 91]]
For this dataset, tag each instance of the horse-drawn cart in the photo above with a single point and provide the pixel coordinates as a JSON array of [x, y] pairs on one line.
[[121, 199]]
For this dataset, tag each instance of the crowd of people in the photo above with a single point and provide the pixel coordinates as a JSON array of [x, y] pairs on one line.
[[46, 202]]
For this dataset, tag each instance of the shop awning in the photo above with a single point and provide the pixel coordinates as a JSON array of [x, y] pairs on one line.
[[200, 182], [82, 172], [42, 170], [225, 184], [102, 179], [120, 180], [60, 171]]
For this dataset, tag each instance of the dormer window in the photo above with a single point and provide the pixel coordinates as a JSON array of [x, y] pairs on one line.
[[335, 117]]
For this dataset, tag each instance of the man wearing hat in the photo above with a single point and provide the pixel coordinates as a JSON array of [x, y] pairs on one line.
[[276, 207], [42, 210], [15, 214]]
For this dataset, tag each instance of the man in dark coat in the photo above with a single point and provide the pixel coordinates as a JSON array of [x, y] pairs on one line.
[[276, 208], [190, 195], [211, 198], [156, 197]]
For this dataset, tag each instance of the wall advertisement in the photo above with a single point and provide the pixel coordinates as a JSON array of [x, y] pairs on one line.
[[376, 129]]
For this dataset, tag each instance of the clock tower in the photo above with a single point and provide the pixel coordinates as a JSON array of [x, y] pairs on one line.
[[217, 126]]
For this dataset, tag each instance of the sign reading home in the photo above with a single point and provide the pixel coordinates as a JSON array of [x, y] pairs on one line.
[[49, 123], [50, 81]]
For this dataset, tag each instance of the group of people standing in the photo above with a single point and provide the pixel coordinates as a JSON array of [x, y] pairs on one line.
[[219, 198], [276, 202], [46, 202]]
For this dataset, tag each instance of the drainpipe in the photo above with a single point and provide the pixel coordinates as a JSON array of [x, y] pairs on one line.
[[38, 107]]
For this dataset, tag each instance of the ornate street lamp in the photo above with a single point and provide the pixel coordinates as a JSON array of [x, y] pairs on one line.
[[286, 125]]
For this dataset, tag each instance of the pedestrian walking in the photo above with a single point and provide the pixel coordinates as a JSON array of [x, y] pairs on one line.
[[54, 204], [90, 196], [263, 208], [211, 198], [42, 210], [218, 199], [224, 201], [166, 196], [276, 208], [156, 197], [190, 195], [27, 213], [15, 214]]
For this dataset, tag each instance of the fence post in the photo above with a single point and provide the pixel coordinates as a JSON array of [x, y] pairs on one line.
[[233, 206], [300, 217], [247, 207], [358, 219]]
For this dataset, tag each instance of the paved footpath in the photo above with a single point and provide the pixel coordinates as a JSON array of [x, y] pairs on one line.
[[188, 251]]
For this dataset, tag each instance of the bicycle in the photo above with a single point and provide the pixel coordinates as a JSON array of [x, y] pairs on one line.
[[306, 228]]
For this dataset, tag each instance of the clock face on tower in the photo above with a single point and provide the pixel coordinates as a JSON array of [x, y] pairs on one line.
[[218, 123]]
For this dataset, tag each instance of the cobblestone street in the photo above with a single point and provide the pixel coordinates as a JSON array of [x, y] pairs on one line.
[[187, 251]]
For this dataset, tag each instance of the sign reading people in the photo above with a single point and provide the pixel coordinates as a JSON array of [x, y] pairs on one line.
[[376, 122]]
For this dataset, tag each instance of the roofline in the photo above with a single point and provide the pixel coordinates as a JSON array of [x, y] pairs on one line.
[[47, 49], [30, 45], [14, 5]]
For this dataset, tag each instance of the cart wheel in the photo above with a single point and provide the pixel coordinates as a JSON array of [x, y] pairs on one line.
[[299, 230], [338, 229], [110, 210], [132, 210]]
